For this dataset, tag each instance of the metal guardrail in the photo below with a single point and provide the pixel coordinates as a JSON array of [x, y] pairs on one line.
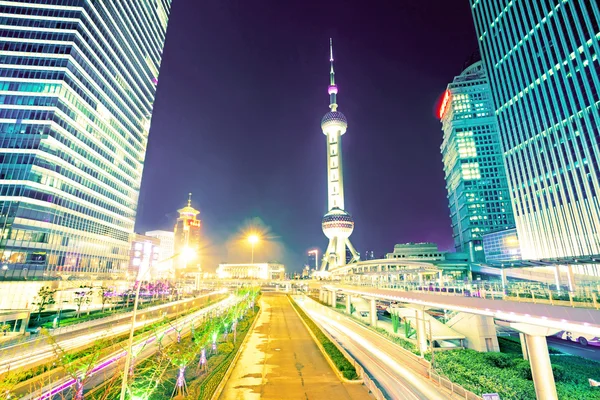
[[95, 321], [372, 386], [452, 387], [517, 295]]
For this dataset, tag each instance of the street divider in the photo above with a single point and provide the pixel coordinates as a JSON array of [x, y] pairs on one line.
[[342, 363]]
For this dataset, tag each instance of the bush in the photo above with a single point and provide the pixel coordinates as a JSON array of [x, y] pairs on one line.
[[225, 348], [509, 375]]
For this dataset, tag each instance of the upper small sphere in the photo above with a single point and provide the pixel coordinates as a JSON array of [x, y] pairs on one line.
[[334, 118]]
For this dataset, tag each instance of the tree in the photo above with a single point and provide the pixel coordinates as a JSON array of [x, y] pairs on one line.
[[44, 298], [82, 297], [4, 328], [105, 293]]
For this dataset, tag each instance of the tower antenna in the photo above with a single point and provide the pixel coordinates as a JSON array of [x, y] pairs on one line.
[[332, 86], [189, 199]]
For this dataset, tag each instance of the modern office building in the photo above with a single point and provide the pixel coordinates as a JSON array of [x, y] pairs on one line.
[[543, 67], [368, 255], [417, 252], [474, 170], [167, 250], [77, 86], [143, 257], [502, 246], [187, 240], [262, 271]]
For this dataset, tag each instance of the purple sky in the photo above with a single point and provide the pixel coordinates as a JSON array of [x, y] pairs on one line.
[[242, 90]]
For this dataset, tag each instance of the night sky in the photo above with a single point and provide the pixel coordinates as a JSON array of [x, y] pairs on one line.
[[242, 90]]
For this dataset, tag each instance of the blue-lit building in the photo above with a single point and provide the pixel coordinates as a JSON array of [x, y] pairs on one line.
[[543, 66], [502, 246], [473, 166], [77, 86]]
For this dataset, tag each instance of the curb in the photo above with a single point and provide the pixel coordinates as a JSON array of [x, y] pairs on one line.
[[359, 370], [229, 371]]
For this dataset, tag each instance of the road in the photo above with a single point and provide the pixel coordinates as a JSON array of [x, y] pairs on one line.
[[572, 348], [107, 367], [385, 362], [37, 351], [280, 360]]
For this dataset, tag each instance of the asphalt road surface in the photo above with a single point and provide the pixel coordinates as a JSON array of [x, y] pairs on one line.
[[281, 361]]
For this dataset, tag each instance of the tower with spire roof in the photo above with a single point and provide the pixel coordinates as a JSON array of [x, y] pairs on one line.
[[187, 235], [337, 223]]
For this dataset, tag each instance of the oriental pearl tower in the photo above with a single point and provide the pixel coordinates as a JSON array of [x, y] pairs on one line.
[[337, 223]]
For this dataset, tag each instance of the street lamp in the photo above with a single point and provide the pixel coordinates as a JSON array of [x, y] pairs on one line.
[[188, 254], [253, 239]]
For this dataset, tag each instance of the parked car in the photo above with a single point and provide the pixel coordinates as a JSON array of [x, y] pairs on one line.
[[583, 338]]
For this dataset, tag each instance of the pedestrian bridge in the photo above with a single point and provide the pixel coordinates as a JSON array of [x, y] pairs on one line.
[[557, 318]]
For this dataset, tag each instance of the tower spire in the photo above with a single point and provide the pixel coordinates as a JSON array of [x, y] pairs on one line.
[[332, 86], [189, 199]]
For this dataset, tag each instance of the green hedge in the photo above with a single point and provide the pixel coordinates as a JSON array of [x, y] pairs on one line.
[[340, 361], [509, 375]]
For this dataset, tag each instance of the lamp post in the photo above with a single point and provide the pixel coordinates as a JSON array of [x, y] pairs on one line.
[[188, 254], [253, 239]]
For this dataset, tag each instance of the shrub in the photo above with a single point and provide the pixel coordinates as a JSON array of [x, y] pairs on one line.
[[225, 348]]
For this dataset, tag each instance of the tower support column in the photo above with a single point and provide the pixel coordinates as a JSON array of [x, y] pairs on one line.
[[333, 299]]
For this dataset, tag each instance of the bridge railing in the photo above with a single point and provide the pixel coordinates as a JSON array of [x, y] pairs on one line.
[[583, 298]]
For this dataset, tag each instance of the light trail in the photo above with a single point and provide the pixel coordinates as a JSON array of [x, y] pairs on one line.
[[69, 382], [371, 351]]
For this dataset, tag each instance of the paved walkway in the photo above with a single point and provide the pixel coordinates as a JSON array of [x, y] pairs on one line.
[[281, 361]]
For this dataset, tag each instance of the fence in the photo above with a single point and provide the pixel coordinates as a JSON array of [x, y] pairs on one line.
[[452, 387]]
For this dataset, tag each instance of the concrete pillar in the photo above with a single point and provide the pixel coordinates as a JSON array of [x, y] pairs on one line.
[[321, 295], [349, 304], [523, 346], [373, 312], [479, 331], [420, 279], [557, 277], [541, 369], [571, 277], [440, 280], [503, 276], [421, 332], [333, 299]]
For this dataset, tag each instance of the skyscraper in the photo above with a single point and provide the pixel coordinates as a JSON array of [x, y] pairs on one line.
[[543, 66], [473, 165], [337, 223], [167, 250], [77, 86], [187, 240]]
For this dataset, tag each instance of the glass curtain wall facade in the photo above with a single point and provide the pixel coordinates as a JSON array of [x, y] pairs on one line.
[[478, 196], [542, 58], [77, 85]]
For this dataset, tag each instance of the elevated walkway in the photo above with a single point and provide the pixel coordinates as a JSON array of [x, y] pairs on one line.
[[542, 315]]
